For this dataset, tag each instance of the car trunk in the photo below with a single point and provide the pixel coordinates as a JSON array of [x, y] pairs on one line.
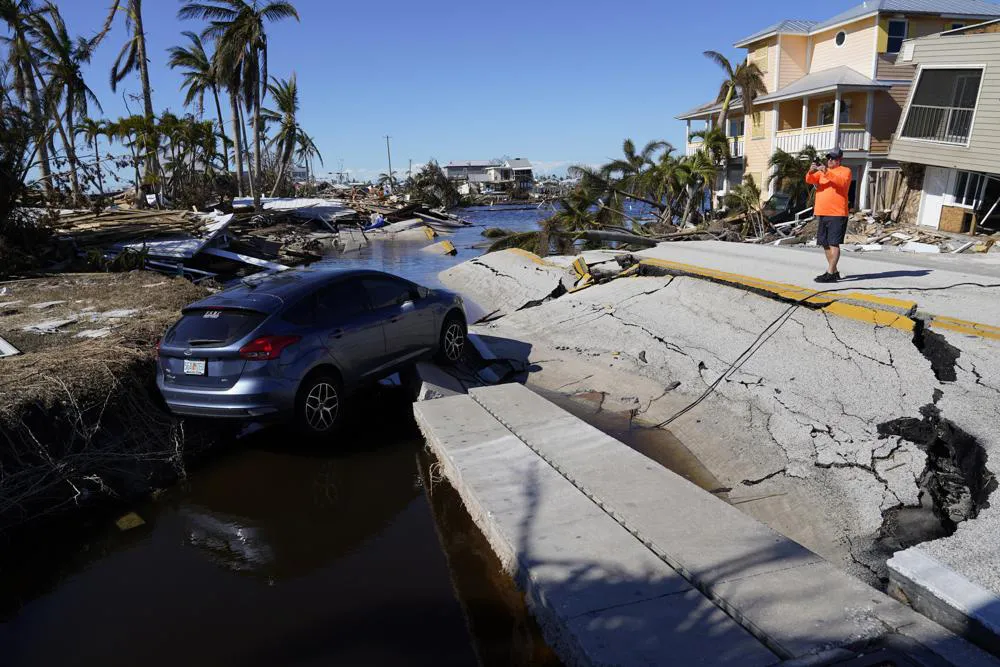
[[200, 350]]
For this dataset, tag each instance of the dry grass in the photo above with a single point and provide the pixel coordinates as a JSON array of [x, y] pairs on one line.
[[80, 419]]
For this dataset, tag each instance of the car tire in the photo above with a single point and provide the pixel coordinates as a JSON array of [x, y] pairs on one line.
[[319, 408], [454, 338]]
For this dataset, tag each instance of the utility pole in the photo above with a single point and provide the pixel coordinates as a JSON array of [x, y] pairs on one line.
[[409, 171], [389, 155]]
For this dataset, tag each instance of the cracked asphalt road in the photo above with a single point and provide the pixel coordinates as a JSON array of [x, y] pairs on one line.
[[793, 430]]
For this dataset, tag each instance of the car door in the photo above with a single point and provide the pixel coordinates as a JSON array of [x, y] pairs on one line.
[[354, 334], [406, 318]]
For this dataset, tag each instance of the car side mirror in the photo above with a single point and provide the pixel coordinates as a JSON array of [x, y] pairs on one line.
[[407, 305]]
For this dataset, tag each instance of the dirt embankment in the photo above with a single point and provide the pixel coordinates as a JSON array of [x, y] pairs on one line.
[[81, 421]]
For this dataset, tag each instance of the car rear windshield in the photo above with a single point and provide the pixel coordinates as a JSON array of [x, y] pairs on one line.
[[208, 327]]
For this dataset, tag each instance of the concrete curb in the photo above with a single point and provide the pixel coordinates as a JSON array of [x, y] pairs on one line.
[[945, 596]]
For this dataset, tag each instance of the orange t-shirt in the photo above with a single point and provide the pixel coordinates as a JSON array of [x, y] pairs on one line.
[[832, 187]]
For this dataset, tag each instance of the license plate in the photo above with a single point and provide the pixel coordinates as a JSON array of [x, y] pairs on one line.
[[194, 366]]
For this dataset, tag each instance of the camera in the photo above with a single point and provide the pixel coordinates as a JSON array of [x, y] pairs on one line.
[[818, 161]]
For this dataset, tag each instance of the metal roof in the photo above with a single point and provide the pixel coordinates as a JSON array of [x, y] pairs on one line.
[[711, 108], [471, 163], [519, 163], [970, 8], [823, 81], [786, 27]]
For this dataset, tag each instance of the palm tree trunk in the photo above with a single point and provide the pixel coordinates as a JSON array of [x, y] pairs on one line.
[[70, 155], [152, 161], [97, 161], [222, 129], [257, 140], [35, 111], [246, 144], [724, 112], [237, 144]]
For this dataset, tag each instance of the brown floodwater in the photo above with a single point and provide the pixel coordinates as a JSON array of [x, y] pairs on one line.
[[276, 553]]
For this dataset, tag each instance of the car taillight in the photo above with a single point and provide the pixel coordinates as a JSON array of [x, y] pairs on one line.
[[267, 347]]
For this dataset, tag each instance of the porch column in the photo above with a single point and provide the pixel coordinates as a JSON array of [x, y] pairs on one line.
[[805, 120], [869, 111], [863, 189], [687, 135], [836, 119]]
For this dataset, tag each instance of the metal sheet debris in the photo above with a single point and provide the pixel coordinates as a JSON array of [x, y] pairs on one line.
[[7, 350], [48, 326]]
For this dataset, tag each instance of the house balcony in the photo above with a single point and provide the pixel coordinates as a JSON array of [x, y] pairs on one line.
[[735, 147], [853, 137]]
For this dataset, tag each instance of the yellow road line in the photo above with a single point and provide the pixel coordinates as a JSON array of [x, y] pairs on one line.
[[965, 327]]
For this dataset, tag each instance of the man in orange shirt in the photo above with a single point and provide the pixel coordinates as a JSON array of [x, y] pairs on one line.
[[832, 181]]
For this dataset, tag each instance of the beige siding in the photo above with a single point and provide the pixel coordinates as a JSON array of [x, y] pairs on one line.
[[858, 51], [792, 54], [758, 151], [984, 146], [790, 115]]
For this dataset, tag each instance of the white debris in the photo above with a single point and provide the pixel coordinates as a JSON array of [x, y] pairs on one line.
[[914, 246], [93, 333], [8, 304]]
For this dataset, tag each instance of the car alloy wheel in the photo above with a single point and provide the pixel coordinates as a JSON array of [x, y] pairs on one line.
[[454, 341], [322, 406]]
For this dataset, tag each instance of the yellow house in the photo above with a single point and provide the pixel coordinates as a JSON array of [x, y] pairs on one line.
[[832, 83]]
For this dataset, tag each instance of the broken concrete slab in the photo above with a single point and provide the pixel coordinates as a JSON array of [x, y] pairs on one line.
[[600, 596], [436, 382], [500, 283], [93, 333]]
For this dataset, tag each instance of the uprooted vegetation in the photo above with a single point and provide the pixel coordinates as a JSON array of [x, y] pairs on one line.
[[81, 421]]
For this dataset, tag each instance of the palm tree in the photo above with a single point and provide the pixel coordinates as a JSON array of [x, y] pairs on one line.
[[133, 58], [238, 28], [746, 79], [131, 132], [92, 129], [200, 77], [633, 166], [306, 151], [693, 172], [715, 144], [788, 173], [18, 14], [63, 64], [286, 98]]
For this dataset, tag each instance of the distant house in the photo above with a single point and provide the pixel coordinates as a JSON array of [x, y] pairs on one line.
[[299, 173], [951, 124], [492, 176], [831, 83]]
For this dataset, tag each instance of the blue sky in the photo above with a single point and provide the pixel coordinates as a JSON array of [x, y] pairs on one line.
[[556, 82]]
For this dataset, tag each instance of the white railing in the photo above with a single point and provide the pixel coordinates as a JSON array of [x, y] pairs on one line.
[[948, 124], [822, 138], [736, 147]]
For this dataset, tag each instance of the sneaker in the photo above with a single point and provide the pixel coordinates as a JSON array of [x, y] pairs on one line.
[[828, 277]]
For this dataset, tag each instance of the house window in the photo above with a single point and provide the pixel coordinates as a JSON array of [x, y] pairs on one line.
[[840, 38], [736, 127], [825, 114], [897, 33], [968, 188], [943, 105], [955, 26]]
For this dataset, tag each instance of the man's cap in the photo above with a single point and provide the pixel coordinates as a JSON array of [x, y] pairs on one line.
[[835, 154]]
